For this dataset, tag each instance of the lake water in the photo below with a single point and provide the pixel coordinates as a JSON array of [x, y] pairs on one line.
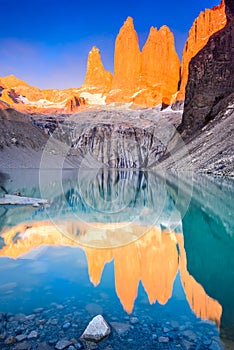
[[152, 254]]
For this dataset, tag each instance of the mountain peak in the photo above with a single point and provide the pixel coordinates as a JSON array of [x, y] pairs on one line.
[[96, 75], [94, 50], [11, 81], [129, 22]]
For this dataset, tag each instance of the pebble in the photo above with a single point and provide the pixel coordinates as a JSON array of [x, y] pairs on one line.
[[66, 325], [54, 322], [52, 341], [30, 317], [32, 335], [10, 340], [166, 330], [163, 339], [79, 345], [23, 346], [63, 344], [190, 335], [21, 337], [43, 346]]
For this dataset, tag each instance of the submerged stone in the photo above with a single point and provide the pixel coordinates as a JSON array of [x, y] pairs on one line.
[[63, 344], [33, 335], [163, 339], [96, 330], [120, 328], [21, 337]]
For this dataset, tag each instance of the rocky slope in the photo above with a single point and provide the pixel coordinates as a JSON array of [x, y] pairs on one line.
[[22, 142]]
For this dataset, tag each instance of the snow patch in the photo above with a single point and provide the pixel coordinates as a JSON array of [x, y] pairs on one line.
[[138, 92], [94, 99]]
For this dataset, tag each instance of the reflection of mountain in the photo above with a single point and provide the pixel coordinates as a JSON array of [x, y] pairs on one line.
[[152, 259], [113, 196], [208, 229]]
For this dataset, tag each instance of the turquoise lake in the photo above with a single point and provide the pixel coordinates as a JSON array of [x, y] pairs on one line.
[[152, 253]]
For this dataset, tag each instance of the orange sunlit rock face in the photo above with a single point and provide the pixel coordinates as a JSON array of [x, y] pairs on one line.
[[160, 71], [152, 259], [148, 78], [96, 76], [127, 64], [207, 23]]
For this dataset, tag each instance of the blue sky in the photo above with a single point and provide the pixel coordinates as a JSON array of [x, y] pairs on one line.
[[46, 42]]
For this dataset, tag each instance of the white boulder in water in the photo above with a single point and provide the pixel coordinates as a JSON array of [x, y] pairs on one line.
[[96, 330]]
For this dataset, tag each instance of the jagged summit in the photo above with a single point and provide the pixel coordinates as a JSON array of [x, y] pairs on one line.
[[96, 75]]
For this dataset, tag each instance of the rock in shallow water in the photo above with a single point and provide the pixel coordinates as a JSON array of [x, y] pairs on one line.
[[21, 337], [63, 344], [121, 328], [96, 330]]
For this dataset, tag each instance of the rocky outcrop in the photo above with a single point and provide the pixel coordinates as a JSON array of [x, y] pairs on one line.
[[160, 72], [73, 104], [205, 25], [96, 76], [127, 64], [211, 78]]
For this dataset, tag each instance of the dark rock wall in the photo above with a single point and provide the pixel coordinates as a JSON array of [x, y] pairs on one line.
[[211, 78]]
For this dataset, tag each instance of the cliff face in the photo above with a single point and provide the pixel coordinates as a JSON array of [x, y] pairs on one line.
[[127, 63], [119, 139], [96, 75], [205, 25], [148, 78], [160, 71], [211, 78]]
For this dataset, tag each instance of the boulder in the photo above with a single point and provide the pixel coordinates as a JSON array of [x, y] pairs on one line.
[[96, 330]]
